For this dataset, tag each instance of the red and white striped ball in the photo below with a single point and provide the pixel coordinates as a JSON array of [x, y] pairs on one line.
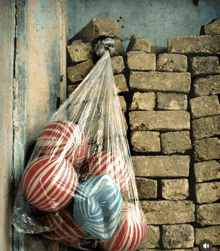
[[49, 183], [131, 231], [66, 229], [64, 138], [106, 163]]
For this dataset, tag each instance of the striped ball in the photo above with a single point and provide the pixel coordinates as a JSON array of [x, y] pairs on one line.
[[106, 163], [66, 229], [49, 183], [131, 231], [66, 138], [98, 206]]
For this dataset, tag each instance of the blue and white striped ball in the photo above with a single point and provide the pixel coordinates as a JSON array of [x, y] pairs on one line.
[[98, 206]]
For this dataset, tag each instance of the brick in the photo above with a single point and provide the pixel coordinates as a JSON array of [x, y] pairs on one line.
[[119, 49], [172, 62], [208, 214], [177, 236], [204, 106], [121, 83], [159, 120], [210, 233], [123, 103], [160, 81], [207, 86], [80, 52], [207, 192], [158, 50], [205, 65], [142, 61], [96, 28], [78, 72], [152, 239], [143, 101], [168, 212], [207, 149], [175, 142], [145, 141], [213, 28], [207, 170], [175, 189], [138, 43], [147, 188], [171, 101], [194, 44], [206, 127], [161, 166], [117, 64]]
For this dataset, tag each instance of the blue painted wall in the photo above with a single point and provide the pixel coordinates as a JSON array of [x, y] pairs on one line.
[[154, 19]]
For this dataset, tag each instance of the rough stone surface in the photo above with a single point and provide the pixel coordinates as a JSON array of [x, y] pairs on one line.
[[207, 86], [96, 28], [207, 170], [78, 72], [205, 65], [152, 239], [161, 166], [207, 149], [207, 192], [117, 64], [158, 50], [159, 120], [210, 233], [212, 28], [121, 83], [138, 43], [194, 44], [124, 122], [177, 236], [71, 88], [145, 141], [208, 214], [119, 49], [160, 81], [171, 101], [175, 189], [143, 101], [206, 127], [172, 62], [168, 212], [147, 188], [123, 103], [142, 61], [175, 142], [80, 52], [204, 106]]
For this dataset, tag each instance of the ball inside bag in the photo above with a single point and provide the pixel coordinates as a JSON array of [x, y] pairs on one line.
[[98, 206], [64, 138], [49, 183]]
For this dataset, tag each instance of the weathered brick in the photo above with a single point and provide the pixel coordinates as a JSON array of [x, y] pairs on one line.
[[160, 81], [171, 101], [96, 28], [168, 212], [207, 86], [213, 28], [117, 64], [207, 149], [80, 52], [140, 60], [161, 166], [207, 170], [159, 120], [172, 62], [206, 127], [205, 65], [143, 101], [175, 189], [177, 236], [208, 214], [210, 233], [147, 188], [78, 72], [138, 43], [119, 49], [123, 103], [158, 50], [145, 141], [207, 192], [204, 106], [152, 239], [121, 83], [194, 44]]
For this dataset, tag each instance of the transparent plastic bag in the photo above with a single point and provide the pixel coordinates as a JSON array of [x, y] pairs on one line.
[[79, 186]]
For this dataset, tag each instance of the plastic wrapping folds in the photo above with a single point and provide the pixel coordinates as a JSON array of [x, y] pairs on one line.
[[79, 186]]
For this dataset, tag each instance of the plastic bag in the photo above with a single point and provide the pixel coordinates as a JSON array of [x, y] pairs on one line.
[[79, 186]]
